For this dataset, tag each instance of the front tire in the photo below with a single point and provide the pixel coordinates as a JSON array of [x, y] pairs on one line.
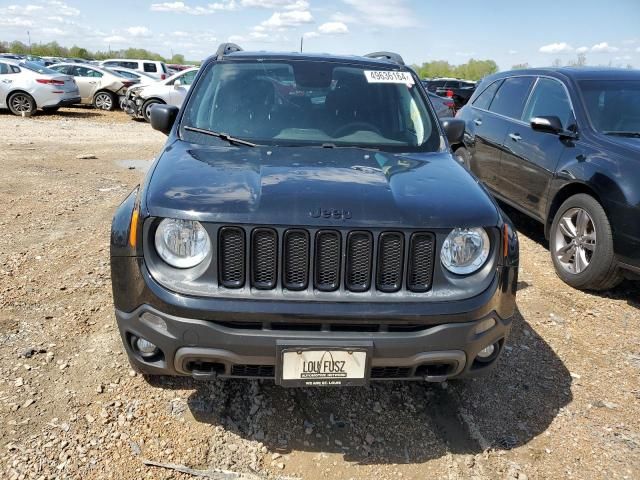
[[463, 156], [146, 108], [581, 245], [22, 104], [104, 101]]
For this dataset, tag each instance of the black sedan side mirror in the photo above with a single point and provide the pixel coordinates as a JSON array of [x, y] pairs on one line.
[[547, 124], [163, 117], [453, 129]]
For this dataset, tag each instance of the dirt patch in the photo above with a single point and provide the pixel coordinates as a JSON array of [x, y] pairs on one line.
[[564, 401]]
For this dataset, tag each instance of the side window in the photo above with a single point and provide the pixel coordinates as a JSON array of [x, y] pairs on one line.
[[484, 99], [150, 67], [111, 64], [63, 69], [15, 69], [510, 97], [4, 69], [131, 65], [164, 67], [86, 72], [549, 98], [187, 78]]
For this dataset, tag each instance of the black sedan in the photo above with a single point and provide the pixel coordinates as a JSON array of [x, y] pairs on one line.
[[563, 146]]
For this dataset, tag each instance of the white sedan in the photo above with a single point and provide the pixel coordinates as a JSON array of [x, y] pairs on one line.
[[26, 86], [172, 91]]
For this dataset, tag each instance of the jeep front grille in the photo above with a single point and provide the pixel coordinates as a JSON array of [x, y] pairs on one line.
[[325, 260]]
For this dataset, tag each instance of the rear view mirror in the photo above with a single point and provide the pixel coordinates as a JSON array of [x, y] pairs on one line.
[[453, 129], [163, 117], [547, 124]]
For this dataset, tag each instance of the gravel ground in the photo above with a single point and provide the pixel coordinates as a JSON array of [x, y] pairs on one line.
[[564, 401]]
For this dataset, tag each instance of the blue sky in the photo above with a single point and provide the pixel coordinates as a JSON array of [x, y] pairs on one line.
[[508, 32]]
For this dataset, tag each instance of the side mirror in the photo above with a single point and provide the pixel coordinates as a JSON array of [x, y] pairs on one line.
[[550, 124], [163, 117], [453, 129], [177, 83]]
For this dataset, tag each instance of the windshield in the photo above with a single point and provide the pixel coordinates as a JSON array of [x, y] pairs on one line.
[[38, 68], [613, 105], [311, 103]]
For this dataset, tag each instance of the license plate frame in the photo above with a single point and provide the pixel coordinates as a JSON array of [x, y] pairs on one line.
[[299, 346]]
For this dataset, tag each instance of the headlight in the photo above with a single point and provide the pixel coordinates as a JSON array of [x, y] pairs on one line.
[[182, 243], [465, 250]]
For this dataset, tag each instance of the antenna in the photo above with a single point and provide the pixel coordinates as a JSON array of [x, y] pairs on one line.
[[301, 42]]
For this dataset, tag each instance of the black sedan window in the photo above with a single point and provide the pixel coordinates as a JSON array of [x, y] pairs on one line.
[[510, 97]]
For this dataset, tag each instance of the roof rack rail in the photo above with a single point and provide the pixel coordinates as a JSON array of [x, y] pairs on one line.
[[225, 49], [393, 57]]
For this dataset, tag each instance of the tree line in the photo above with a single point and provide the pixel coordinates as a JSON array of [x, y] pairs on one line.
[[472, 70], [54, 49]]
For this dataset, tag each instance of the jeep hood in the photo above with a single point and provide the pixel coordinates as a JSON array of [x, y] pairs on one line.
[[316, 186]]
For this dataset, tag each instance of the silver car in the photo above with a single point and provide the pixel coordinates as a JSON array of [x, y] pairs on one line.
[[172, 91], [26, 86], [98, 86]]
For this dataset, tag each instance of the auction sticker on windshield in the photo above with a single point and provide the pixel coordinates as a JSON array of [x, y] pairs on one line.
[[323, 367], [388, 76]]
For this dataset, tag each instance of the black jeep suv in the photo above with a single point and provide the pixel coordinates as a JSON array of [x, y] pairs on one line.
[[306, 222], [563, 146]]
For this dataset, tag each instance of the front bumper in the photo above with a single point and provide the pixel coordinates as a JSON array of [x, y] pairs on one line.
[[132, 104], [212, 337], [206, 349]]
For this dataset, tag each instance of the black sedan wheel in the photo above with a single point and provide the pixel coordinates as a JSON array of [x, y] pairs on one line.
[[581, 245], [22, 104], [104, 101]]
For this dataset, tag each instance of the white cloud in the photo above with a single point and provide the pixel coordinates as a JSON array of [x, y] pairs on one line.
[[561, 47], [180, 34], [604, 47], [283, 4], [623, 57], [582, 49], [62, 8], [512, 52], [383, 13], [286, 20], [333, 28], [115, 39], [638, 49], [182, 7], [311, 35], [139, 31]]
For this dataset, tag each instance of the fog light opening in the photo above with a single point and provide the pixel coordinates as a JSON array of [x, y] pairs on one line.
[[144, 347], [486, 352]]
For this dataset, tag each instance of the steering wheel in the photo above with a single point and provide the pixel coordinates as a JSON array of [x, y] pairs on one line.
[[354, 126]]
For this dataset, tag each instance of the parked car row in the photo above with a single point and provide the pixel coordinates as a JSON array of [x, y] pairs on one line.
[[563, 146], [23, 88]]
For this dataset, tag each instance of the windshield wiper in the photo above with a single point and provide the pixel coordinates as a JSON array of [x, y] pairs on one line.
[[622, 133], [222, 136]]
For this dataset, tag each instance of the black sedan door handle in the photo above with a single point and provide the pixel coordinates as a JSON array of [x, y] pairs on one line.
[[478, 121], [515, 137]]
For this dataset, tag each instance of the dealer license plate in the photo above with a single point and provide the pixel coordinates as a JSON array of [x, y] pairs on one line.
[[318, 367]]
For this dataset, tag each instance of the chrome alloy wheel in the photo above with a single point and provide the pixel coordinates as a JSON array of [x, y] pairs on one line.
[[21, 103], [575, 240], [104, 101]]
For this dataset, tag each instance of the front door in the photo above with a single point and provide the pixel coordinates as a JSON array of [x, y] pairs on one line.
[[88, 80], [530, 158]]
